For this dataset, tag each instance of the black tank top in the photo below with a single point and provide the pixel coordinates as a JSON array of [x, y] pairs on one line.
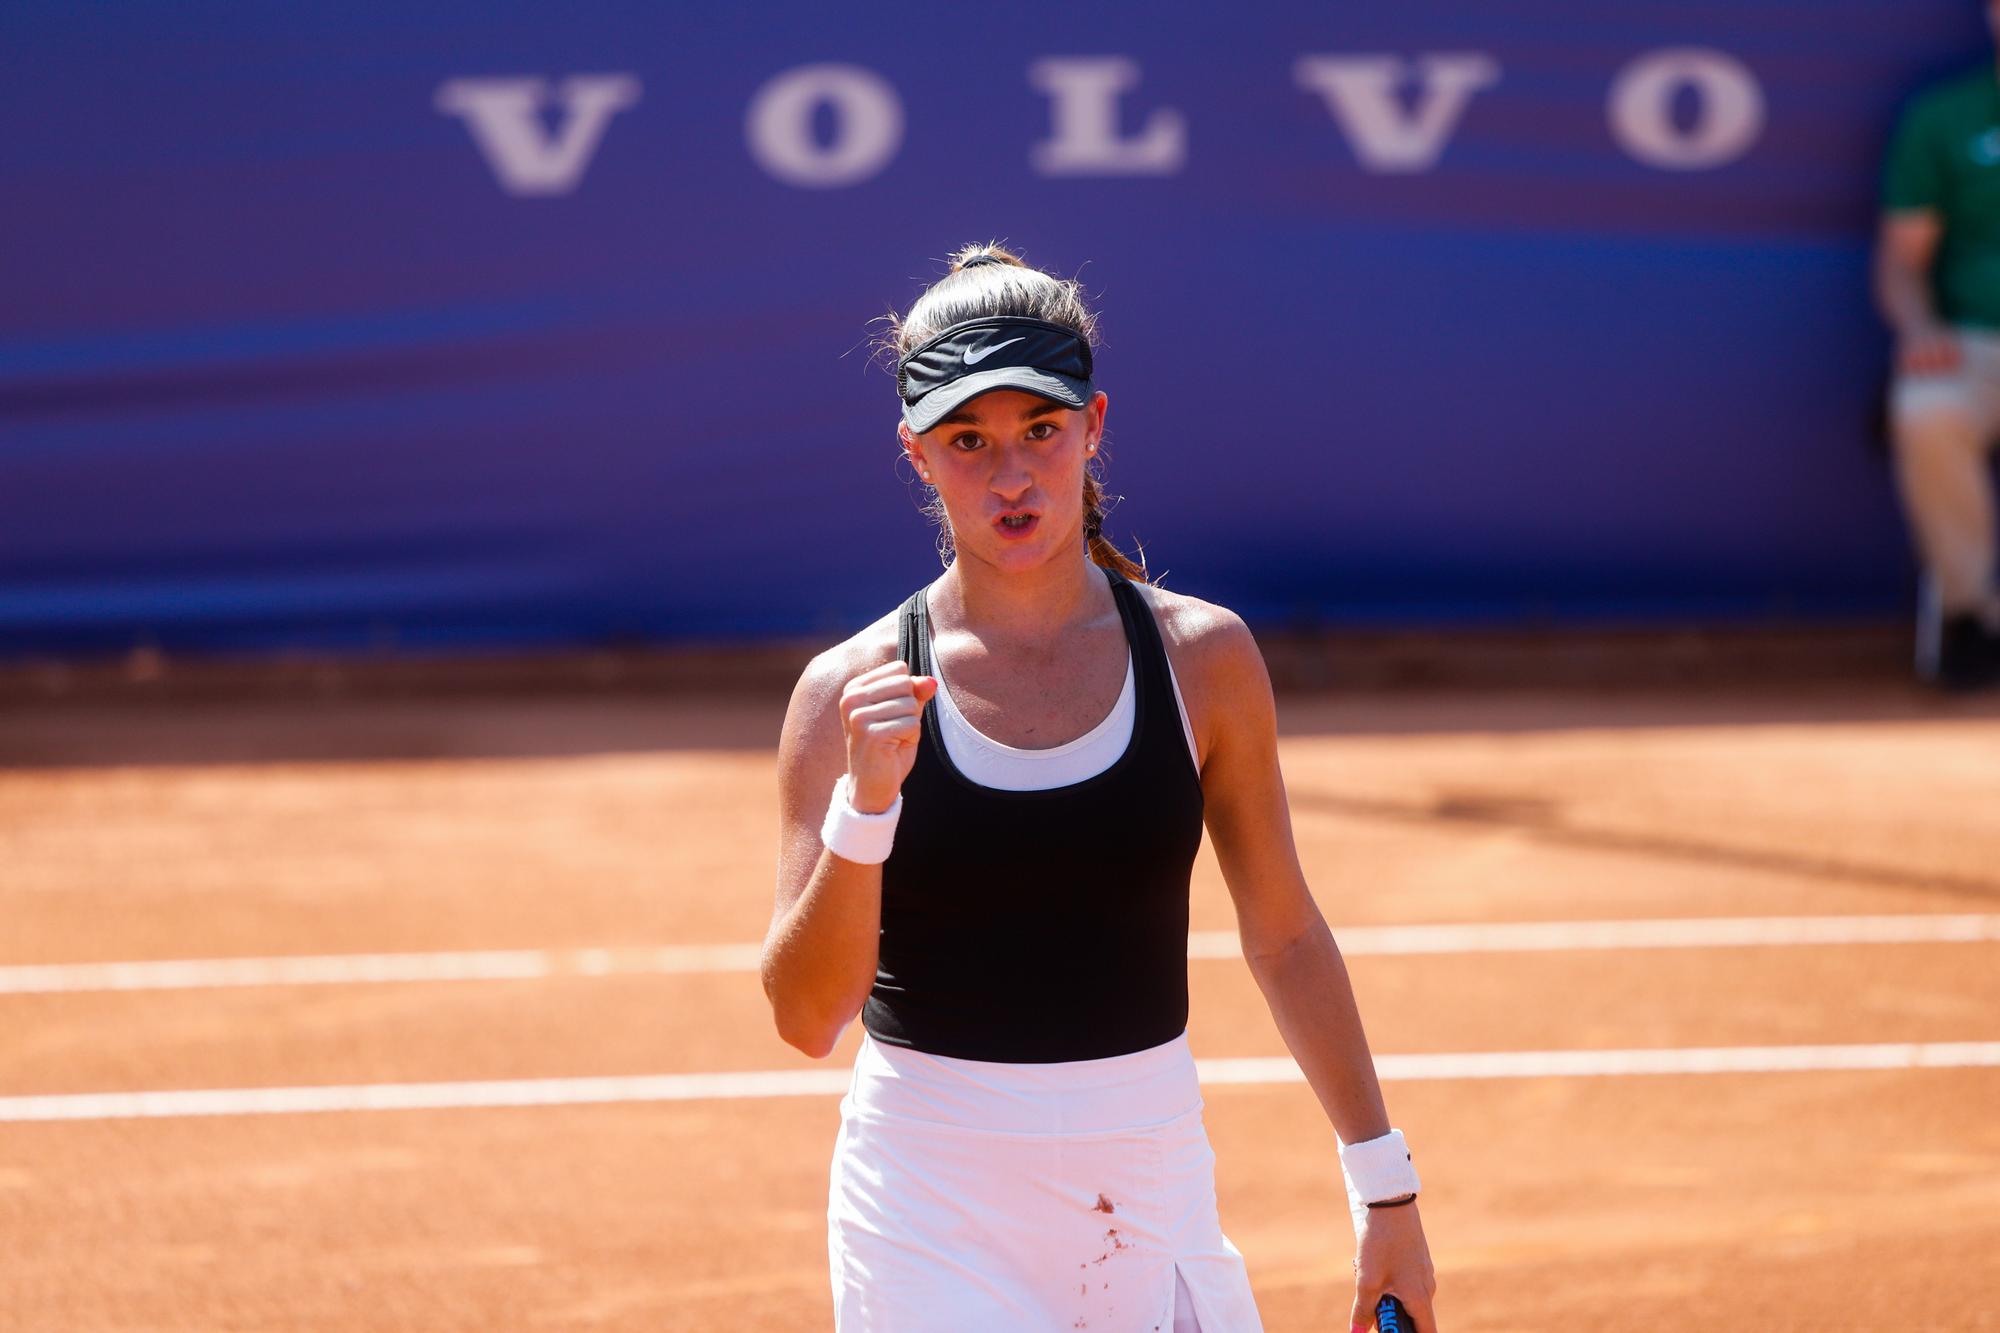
[[1035, 926]]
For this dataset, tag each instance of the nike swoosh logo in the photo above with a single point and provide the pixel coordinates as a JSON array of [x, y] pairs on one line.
[[974, 358]]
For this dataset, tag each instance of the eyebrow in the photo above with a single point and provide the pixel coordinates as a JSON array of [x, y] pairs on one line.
[[969, 419]]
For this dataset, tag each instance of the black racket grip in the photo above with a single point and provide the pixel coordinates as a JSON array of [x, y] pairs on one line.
[[1391, 1317]]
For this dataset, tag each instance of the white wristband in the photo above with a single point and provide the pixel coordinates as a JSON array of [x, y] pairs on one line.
[[854, 836], [1378, 1169]]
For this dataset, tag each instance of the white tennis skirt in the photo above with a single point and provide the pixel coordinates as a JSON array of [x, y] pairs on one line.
[[982, 1197]]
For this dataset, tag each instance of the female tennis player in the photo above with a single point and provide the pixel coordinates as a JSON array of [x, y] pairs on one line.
[[1021, 759]]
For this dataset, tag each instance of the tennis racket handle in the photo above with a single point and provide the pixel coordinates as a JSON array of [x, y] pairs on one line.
[[1391, 1317]]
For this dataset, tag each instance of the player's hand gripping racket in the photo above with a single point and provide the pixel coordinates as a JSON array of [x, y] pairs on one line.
[[1391, 1317]]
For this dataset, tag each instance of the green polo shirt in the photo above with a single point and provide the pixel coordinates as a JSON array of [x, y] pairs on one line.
[[1946, 156]]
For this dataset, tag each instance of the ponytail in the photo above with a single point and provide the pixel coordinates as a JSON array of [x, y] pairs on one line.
[[1102, 553]]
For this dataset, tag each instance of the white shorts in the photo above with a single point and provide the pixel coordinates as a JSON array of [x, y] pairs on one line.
[[982, 1197]]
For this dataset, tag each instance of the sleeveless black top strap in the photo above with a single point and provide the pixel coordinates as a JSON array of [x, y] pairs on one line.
[[1037, 926]]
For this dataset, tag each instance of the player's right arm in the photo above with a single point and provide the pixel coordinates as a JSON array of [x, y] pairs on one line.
[[820, 953], [1906, 248]]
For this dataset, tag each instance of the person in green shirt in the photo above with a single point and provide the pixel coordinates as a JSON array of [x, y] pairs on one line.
[[1937, 281]]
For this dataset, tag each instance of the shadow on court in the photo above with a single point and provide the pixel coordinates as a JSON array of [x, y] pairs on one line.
[[1543, 822], [145, 711]]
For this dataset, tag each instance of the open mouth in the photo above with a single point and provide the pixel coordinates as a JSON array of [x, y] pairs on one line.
[[1016, 525]]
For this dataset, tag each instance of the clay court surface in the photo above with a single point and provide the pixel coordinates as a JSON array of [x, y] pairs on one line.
[[1782, 1114]]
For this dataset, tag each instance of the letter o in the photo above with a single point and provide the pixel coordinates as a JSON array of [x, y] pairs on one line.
[[867, 113], [1641, 109]]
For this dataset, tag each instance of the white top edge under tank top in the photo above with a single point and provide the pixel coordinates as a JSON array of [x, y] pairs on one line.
[[1009, 768]]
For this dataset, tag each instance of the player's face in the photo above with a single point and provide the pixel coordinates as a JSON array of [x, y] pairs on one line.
[[1006, 452]]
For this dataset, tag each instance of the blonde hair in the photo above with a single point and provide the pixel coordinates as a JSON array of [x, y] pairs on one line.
[[1009, 287]]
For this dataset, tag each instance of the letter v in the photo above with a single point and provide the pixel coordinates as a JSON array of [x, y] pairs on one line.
[[1360, 91], [504, 118]]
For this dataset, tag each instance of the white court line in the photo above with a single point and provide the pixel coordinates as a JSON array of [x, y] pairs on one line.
[[1706, 932], [829, 1082], [1355, 941], [360, 968]]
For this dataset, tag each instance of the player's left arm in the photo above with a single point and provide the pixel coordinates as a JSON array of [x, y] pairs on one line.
[[1286, 941]]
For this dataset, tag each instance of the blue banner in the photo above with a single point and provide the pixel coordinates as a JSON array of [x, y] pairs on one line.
[[453, 325]]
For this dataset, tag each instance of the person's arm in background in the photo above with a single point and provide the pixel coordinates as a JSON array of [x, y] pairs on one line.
[[1905, 249]]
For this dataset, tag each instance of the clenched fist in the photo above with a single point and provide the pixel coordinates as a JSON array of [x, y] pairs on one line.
[[881, 712]]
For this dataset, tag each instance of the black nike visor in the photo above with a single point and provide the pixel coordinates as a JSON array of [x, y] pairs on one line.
[[976, 356]]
